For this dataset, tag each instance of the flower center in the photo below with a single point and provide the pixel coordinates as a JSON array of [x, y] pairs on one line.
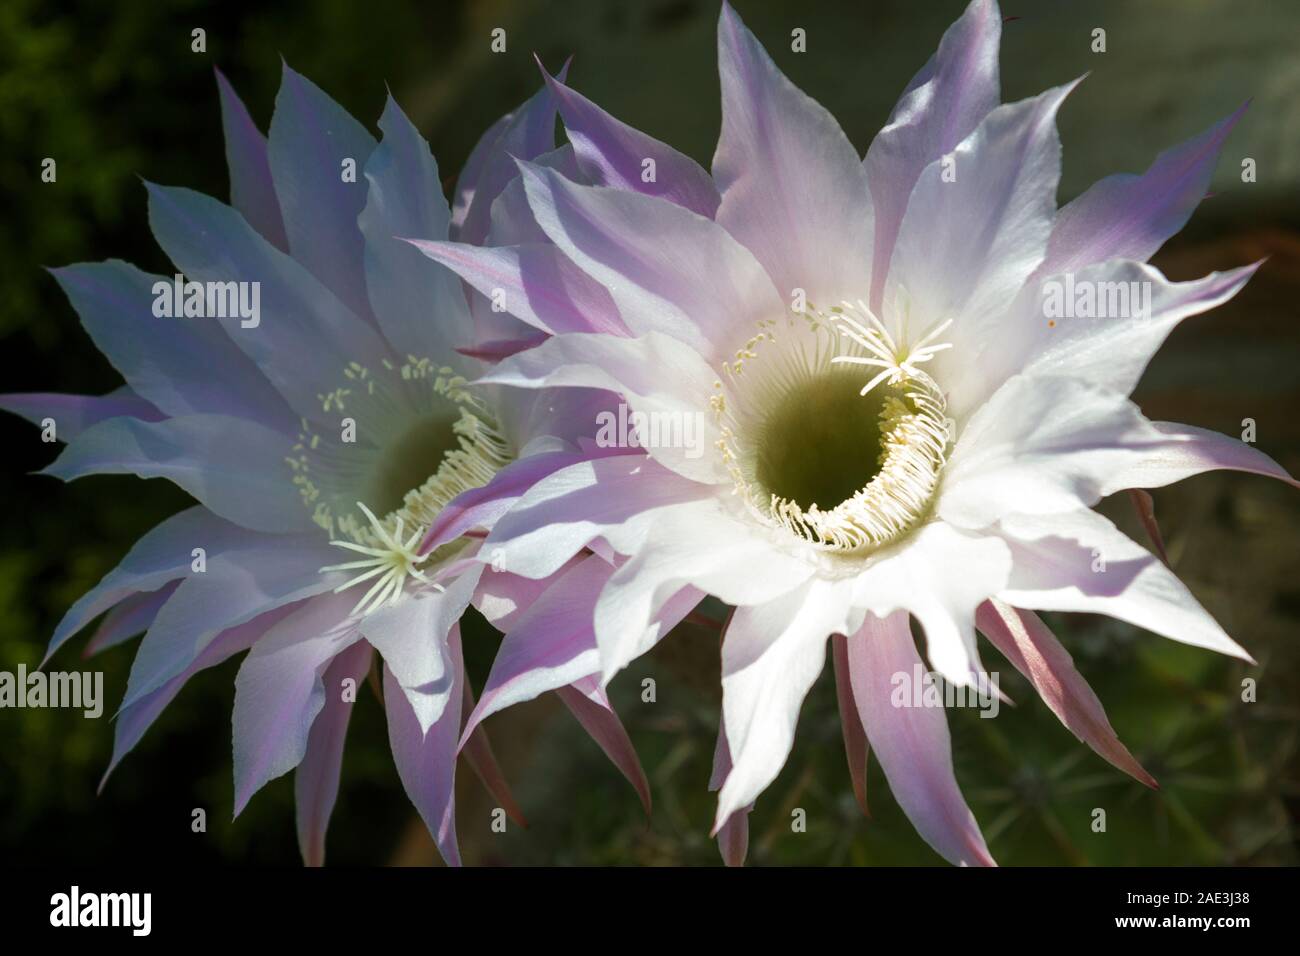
[[844, 462], [411, 438]]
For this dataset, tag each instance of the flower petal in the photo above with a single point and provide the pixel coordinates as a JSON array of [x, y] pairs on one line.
[[73, 414], [619, 497], [1192, 451], [1041, 445], [940, 574], [912, 743], [688, 549], [856, 747], [988, 226], [133, 616], [411, 636], [793, 188], [426, 759], [420, 306], [163, 554], [316, 781], [661, 379], [525, 134], [252, 191], [533, 282], [235, 588], [588, 703], [667, 269], [1130, 217], [550, 645], [235, 467], [137, 716], [1028, 644], [312, 139], [280, 690], [210, 242], [771, 655], [613, 154], [942, 105], [182, 365], [1082, 562], [733, 835]]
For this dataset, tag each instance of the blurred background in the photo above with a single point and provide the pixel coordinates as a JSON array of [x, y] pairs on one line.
[[114, 93]]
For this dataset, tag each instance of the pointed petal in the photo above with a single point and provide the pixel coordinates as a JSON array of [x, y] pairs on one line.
[[613, 154], [912, 743], [311, 139], [252, 191], [412, 638], [477, 750], [658, 376], [1145, 508], [162, 555], [771, 655], [136, 717], [525, 134], [940, 107], [1056, 567], [316, 781], [988, 226], [73, 414], [1130, 217], [733, 835], [235, 588], [535, 283], [181, 365], [550, 645], [420, 306], [280, 691], [133, 616], [236, 468], [210, 242], [617, 497], [667, 269], [1041, 445], [856, 747], [426, 760], [588, 703], [1029, 645], [1192, 451], [793, 188]]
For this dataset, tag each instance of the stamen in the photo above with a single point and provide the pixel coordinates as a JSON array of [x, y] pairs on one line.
[[914, 430], [396, 401]]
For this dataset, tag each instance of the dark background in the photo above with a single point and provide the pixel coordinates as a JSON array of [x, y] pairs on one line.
[[114, 93]]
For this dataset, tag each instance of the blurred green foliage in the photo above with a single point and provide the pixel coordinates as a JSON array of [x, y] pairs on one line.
[[113, 92]]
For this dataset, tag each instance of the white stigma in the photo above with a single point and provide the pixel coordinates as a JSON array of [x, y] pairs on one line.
[[897, 360], [392, 562]]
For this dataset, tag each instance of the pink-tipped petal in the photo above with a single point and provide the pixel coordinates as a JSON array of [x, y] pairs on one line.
[[477, 751], [133, 616], [733, 834], [1032, 649], [1145, 508], [856, 747], [941, 106], [912, 743], [1192, 451], [316, 781], [426, 759], [588, 703]]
